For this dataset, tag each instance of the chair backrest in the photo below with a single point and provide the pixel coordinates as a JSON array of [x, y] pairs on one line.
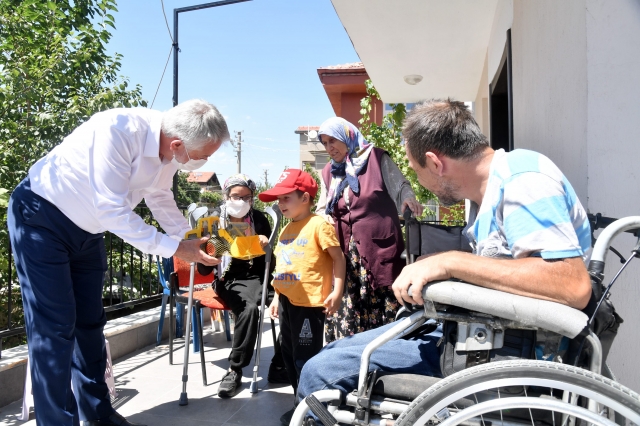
[[428, 238], [183, 271], [165, 268]]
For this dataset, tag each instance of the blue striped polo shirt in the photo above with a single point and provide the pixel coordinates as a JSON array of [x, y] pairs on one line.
[[529, 208]]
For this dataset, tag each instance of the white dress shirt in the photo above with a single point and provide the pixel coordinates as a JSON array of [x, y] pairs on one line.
[[101, 172]]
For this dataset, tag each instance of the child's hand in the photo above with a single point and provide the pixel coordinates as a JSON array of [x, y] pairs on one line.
[[273, 309], [332, 303], [263, 240]]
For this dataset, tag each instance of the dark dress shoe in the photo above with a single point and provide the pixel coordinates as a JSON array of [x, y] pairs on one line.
[[114, 420]]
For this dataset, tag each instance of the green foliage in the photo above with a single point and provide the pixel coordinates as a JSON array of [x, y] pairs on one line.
[[261, 187], [307, 168], [188, 192], [388, 136], [54, 74], [209, 197], [4, 197], [454, 215]]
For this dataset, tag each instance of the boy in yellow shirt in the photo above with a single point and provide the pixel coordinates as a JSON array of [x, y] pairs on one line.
[[308, 260]]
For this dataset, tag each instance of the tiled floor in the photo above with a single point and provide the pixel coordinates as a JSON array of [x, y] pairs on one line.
[[149, 389]]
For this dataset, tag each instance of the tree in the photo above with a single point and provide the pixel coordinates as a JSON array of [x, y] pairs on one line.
[[54, 74], [209, 197], [188, 192]]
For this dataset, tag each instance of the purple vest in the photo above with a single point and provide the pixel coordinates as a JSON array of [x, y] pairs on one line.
[[373, 222]]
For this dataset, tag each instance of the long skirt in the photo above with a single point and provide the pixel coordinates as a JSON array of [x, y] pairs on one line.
[[363, 308]]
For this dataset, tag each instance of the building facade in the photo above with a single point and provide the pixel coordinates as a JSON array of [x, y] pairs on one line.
[[557, 77]]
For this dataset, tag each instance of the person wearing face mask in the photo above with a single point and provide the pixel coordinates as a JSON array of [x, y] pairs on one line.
[[362, 193], [239, 283], [88, 184]]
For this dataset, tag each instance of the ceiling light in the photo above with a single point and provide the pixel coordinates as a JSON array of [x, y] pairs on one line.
[[412, 79]]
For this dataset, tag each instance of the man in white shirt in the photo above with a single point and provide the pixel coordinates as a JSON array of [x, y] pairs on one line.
[[87, 185]]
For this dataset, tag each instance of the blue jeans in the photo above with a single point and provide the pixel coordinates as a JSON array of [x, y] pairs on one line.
[[61, 271], [338, 364]]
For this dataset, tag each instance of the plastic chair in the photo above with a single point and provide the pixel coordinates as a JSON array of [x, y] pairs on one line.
[[203, 298], [165, 268]]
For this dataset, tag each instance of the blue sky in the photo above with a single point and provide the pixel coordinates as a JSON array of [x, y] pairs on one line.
[[256, 61]]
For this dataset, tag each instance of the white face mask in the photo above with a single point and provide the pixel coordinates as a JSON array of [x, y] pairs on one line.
[[190, 165], [238, 209]]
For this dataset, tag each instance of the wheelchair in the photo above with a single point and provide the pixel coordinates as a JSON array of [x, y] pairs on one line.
[[488, 389]]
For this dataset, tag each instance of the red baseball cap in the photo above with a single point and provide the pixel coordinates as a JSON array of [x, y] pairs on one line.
[[289, 181]]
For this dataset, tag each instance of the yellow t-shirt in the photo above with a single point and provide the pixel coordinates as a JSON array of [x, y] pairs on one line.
[[304, 269]]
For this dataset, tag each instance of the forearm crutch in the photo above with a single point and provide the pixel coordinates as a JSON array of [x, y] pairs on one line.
[[185, 365], [194, 233], [276, 216]]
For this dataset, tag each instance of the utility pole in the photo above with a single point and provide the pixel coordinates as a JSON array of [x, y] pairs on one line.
[[239, 150], [266, 178]]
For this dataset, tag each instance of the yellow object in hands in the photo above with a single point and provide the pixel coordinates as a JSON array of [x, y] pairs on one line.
[[242, 246], [237, 245], [246, 248]]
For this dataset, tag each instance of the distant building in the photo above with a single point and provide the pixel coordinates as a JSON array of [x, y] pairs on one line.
[[311, 150], [208, 181]]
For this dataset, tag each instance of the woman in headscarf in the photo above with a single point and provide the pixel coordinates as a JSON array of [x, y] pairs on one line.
[[362, 194], [239, 282]]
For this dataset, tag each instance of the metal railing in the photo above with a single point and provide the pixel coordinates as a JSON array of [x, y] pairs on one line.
[[131, 279]]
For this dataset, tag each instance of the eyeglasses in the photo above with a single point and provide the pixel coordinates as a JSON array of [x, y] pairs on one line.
[[245, 198]]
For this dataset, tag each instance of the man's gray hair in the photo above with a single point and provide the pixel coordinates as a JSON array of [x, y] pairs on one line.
[[196, 123], [444, 127]]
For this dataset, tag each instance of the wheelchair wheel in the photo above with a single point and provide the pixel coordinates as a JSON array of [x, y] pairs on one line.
[[524, 392]]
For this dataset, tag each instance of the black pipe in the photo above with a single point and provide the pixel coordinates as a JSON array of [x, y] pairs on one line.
[[176, 49]]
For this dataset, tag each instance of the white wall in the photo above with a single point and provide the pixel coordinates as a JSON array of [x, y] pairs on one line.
[[550, 84], [502, 21], [481, 103], [613, 93], [576, 84]]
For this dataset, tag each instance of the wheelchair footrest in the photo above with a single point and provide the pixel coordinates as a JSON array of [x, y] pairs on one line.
[[321, 411]]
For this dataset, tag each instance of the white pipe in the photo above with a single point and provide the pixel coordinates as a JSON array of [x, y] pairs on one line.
[[601, 247]]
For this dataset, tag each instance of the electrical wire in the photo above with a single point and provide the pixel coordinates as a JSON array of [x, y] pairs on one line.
[[169, 57], [166, 21], [161, 77]]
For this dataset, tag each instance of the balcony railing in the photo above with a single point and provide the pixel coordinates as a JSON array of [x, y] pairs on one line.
[[131, 279]]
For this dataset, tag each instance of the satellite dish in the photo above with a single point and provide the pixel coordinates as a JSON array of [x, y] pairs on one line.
[[313, 134]]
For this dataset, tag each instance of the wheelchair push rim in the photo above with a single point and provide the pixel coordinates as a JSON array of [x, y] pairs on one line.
[[436, 403]]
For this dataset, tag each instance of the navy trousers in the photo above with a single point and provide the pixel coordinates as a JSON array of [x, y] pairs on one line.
[[61, 270]]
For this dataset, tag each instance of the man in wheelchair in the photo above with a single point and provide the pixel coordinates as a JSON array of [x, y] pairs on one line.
[[529, 233]]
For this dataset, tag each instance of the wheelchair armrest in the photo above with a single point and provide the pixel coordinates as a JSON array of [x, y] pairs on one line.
[[528, 311]]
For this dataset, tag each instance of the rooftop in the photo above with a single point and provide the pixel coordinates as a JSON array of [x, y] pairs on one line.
[[356, 66], [302, 129], [200, 177]]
